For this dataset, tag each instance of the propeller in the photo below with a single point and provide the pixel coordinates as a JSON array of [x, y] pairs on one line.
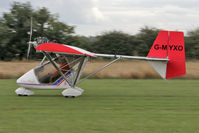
[[29, 43]]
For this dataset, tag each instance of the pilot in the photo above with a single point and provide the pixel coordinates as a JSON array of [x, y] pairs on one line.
[[64, 67]]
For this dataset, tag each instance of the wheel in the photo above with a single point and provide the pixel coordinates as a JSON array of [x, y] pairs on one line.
[[22, 95], [69, 96]]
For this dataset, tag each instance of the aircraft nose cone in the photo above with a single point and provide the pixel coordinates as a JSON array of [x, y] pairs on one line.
[[28, 77]]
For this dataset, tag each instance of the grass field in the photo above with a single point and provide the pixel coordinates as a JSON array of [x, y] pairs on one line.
[[107, 106]]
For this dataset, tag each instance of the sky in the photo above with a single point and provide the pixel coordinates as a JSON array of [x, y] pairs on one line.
[[93, 17]]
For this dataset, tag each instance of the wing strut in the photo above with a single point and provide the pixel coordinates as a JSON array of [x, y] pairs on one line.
[[42, 62], [79, 70], [100, 69]]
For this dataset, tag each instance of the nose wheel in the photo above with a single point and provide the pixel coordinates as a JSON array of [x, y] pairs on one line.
[[23, 92], [22, 95], [69, 96]]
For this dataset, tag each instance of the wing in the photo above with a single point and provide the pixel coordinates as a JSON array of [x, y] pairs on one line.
[[66, 49], [63, 49]]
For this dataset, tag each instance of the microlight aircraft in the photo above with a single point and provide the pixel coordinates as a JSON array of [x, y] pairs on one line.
[[62, 65]]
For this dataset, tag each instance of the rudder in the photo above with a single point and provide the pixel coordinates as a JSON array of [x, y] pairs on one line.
[[176, 54], [169, 44]]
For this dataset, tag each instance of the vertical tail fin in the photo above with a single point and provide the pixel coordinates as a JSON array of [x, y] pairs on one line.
[[169, 44]]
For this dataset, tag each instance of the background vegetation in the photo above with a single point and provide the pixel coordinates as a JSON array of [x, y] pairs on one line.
[[128, 69], [15, 28]]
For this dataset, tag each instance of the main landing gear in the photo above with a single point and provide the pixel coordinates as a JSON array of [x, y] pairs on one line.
[[72, 92]]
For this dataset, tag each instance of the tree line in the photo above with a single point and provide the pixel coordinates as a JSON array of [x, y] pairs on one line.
[[15, 30]]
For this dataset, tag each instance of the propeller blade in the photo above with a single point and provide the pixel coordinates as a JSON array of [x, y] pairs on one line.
[[29, 43], [28, 52], [30, 29]]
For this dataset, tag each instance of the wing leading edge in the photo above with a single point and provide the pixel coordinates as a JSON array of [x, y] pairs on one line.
[[63, 49]]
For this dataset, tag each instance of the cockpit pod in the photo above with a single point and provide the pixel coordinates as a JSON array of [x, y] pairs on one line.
[[28, 79], [43, 77], [46, 76]]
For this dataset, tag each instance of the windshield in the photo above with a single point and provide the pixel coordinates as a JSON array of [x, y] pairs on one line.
[[48, 74]]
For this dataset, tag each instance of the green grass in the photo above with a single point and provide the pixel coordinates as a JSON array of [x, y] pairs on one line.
[[107, 106]]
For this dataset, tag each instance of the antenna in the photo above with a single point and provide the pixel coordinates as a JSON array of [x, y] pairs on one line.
[[116, 51], [29, 43]]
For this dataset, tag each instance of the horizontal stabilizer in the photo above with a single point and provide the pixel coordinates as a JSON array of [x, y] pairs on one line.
[[160, 67]]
